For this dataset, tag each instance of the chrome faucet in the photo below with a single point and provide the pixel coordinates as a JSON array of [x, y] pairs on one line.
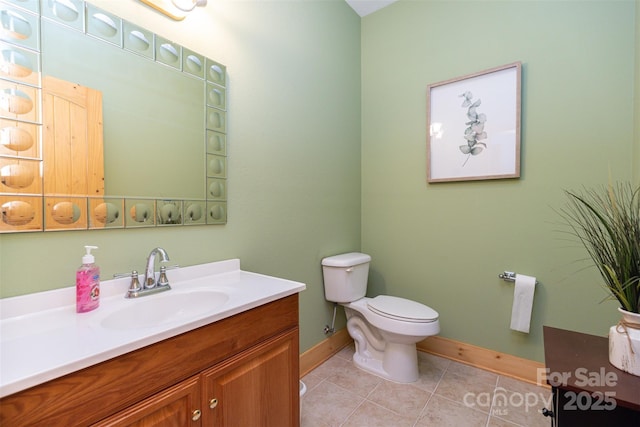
[[149, 285], [149, 273]]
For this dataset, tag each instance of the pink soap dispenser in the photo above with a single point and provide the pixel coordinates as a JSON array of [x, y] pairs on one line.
[[87, 283]]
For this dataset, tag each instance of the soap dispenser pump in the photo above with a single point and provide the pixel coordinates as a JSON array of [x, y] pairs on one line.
[[87, 283]]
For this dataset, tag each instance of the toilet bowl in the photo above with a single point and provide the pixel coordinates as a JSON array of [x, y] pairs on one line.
[[385, 329]]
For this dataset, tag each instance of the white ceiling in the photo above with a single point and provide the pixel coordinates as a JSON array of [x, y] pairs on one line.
[[365, 7]]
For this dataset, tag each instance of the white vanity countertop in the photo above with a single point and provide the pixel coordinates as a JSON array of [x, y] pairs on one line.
[[42, 337]]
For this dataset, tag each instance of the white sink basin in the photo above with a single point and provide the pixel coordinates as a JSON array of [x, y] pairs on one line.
[[171, 306]]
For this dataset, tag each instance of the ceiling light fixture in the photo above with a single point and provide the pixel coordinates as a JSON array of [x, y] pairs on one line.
[[175, 9]]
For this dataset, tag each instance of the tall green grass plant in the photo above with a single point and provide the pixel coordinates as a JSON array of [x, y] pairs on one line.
[[607, 223]]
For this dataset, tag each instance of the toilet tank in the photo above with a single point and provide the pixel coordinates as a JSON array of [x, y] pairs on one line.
[[345, 276]]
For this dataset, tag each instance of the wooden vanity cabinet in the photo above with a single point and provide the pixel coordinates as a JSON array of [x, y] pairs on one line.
[[239, 371], [176, 406], [253, 388], [256, 388]]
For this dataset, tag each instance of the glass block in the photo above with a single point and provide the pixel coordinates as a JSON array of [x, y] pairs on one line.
[[216, 96], [19, 27], [19, 102], [138, 40], [216, 189], [194, 212], [216, 120], [20, 176], [216, 213], [216, 166], [30, 5], [216, 143], [140, 213], [216, 72], [106, 212], [65, 213], [168, 53], [104, 25], [20, 213], [67, 12], [19, 139], [169, 212], [20, 65], [193, 63]]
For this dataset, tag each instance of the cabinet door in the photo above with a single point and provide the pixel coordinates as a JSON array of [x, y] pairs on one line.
[[259, 387], [176, 406]]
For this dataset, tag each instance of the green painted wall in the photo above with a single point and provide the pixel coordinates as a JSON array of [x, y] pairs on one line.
[[310, 82], [444, 244], [294, 154]]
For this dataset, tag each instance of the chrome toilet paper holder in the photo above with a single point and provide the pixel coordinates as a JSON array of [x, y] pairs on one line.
[[509, 276]]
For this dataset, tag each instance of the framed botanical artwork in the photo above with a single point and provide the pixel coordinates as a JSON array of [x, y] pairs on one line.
[[474, 126]]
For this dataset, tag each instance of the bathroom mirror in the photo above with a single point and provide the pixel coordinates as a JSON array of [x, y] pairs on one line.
[[163, 121]]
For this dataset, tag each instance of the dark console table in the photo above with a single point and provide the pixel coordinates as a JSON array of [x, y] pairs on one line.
[[587, 389]]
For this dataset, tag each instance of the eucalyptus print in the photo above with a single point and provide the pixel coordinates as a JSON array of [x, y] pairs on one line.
[[474, 133]]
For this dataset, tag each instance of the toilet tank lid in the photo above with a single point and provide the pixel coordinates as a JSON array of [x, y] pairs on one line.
[[346, 260]]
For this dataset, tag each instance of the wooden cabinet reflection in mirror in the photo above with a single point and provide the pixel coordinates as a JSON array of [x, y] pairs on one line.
[[72, 152], [71, 164]]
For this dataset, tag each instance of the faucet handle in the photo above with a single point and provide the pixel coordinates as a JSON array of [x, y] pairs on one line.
[[135, 283], [121, 275], [163, 280], [134, 286]]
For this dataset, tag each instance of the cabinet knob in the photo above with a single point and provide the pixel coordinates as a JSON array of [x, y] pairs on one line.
[[213, 403], [196, 415]]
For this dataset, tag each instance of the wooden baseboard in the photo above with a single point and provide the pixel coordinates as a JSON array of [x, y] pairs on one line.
[[490, 360], [322, 351]]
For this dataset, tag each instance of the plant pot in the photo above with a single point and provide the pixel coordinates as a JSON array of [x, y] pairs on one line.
[[624, 343]]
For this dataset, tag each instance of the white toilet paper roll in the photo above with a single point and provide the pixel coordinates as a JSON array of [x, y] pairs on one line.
[[522, 303]]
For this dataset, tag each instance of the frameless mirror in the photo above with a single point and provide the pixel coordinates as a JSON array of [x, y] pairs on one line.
[[159, 108]]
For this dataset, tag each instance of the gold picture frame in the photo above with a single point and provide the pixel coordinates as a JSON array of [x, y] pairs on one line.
[[473, 128]]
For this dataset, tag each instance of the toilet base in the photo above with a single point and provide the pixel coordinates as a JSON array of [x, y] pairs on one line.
[[399, 363]]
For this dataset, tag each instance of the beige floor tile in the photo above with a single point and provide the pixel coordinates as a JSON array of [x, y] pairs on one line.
[[442, 412], [371, 415], [447, 393], [316, 420], [347, 352], [311, 380], [402, 399], [354, 379], [523, 408], [498, 422], [431, 372], [520, 386], [467, 389], [477, 373], [433, 360], [329, 367], [328, 405]]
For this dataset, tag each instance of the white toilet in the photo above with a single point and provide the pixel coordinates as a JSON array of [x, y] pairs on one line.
[[385, 328]]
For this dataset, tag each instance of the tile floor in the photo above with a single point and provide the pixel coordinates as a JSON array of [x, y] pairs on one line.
[[447, 393]]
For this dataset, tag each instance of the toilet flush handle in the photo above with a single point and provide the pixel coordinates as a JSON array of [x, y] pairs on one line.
[[349, 270]]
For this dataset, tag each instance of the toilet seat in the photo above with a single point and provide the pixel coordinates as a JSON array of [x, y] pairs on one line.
[[402, 309]]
